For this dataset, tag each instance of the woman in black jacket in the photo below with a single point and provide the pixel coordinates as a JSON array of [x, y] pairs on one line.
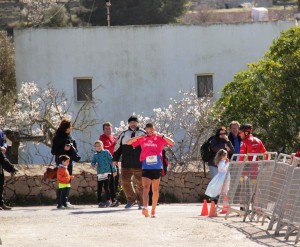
[[63, 143], [220, 141]]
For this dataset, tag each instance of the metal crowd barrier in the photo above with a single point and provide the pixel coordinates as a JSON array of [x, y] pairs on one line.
[[289, 204], [265, 185], [271, 179], [243, 171], [279, 186]]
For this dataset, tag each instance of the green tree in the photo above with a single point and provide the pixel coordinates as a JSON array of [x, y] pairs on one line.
[[7, 73], [134, 12], [268, 95], [56, 16]]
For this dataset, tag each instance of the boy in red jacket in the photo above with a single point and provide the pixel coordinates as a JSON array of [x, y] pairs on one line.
[[63, 179]]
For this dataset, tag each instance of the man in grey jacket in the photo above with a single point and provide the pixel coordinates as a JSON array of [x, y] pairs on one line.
[[130, 163]]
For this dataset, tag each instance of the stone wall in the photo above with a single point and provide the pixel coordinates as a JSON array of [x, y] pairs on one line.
[[29, 182], [185, 187]]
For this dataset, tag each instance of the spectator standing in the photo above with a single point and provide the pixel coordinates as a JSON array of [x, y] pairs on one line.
[[103, 160], [220, 141], [130, 163], [152, 163], [109, 143], [250, 144], [234, 137], [64, 182], [7, 166], [63, 143], [218, 184]]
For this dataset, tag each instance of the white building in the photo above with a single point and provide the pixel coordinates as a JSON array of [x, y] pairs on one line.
[[140, 67]]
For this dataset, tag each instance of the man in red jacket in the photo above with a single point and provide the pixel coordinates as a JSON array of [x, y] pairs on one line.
[[250, 144], [109, 142]]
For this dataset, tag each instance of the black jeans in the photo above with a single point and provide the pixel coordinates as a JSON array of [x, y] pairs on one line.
[[1, 187], [1, 195], [62, 196], [114, 185], [105, 184]]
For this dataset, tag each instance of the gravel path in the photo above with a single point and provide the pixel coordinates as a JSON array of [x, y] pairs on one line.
[[176, 225]]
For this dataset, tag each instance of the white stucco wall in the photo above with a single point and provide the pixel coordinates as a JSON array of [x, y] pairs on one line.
[[140, 67]]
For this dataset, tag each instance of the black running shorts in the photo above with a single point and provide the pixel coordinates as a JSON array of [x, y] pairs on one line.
[[152, 174]]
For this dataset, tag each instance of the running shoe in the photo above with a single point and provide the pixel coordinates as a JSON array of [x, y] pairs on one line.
[[69, 204], [153, 215], [60, 207], [115, 204], [101, 205], [145, 212], [140, 207], [5, 207], [107, 204], [129, 204]]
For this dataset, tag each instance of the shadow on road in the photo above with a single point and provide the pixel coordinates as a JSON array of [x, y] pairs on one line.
[[252, 231], [100, 211]]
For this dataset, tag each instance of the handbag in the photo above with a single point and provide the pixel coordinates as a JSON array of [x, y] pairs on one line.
[[74, 155], [51, 172]]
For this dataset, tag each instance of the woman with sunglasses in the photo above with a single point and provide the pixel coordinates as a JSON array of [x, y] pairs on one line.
[[220, 141]]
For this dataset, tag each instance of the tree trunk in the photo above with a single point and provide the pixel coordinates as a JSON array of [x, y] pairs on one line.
[[14, 152], [14, 157]]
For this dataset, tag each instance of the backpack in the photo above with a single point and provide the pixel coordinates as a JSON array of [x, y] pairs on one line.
[[50, 173], [205, 150]]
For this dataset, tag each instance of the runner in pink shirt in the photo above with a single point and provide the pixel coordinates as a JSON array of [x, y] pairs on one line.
[[151, 157]]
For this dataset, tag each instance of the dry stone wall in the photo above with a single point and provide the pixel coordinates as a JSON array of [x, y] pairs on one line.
[[185, 187]]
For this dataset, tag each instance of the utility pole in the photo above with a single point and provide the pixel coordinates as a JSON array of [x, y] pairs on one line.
[[108, 4]]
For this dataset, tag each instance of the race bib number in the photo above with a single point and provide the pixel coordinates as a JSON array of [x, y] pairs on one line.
[[102, 176], [151, 160]]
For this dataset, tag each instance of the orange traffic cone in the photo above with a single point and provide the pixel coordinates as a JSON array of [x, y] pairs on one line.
[[212, 212], [225, 206], [204, 211]]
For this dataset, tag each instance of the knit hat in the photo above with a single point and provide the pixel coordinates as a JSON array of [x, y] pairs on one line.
[[133, 118]]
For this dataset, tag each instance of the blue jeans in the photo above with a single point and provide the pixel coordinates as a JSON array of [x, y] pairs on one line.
[[213, 170]]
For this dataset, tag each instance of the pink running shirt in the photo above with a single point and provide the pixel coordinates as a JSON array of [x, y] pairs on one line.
[[151, 145]]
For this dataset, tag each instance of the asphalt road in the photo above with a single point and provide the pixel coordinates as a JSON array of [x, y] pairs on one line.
[[88, 225]]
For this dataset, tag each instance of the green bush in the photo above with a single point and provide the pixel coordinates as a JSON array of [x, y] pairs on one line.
[[40, 200], [121, 195], [87, 198], [167, 198]]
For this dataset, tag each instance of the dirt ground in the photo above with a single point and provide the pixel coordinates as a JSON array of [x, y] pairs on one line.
[[176, 225]]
